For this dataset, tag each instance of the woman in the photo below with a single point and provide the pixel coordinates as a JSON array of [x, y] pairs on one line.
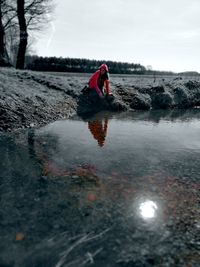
[[99, 82]]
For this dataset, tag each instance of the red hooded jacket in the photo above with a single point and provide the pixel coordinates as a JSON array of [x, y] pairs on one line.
[[96, 80]]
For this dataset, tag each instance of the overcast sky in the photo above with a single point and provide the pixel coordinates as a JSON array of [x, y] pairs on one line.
[[162, 33]]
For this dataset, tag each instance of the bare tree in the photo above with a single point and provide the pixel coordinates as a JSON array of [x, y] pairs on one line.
[[23, 34], [31, 15], [6, 17], [17, 19], [37, 13], [2, 35], [12, 42]]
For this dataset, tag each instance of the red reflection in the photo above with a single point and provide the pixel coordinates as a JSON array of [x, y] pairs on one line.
[[98, 129]]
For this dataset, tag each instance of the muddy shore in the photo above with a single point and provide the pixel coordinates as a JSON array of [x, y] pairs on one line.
[[29, 99]]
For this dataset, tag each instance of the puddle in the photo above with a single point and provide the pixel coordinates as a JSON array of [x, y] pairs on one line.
[[116, 189]]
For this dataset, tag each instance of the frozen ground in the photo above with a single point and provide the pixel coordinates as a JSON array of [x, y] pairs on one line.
[[28, 99]]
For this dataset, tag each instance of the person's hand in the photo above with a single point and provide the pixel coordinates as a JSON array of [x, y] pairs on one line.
[[109, 94]]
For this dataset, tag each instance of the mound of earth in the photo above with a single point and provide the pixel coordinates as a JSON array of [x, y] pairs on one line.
[[29, 99]]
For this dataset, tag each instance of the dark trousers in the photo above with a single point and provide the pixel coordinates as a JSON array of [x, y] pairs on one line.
[[93, 95]]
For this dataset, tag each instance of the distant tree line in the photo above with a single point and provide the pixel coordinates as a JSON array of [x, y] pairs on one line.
[[80, 65]]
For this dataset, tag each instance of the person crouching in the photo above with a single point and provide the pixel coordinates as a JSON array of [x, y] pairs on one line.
[[98, 85]]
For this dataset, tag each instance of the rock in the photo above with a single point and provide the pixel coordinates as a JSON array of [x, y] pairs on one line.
[[192, 85], [141, 102], [182, 97], [162, 100], [158, 89], [117, 106]]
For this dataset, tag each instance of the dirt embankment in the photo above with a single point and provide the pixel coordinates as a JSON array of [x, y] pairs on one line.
[[29, 99]]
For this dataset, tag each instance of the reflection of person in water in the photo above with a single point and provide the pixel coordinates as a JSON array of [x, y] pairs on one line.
[[98, 128]]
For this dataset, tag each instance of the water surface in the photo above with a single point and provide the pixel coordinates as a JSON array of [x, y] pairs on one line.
[[113, 190]]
